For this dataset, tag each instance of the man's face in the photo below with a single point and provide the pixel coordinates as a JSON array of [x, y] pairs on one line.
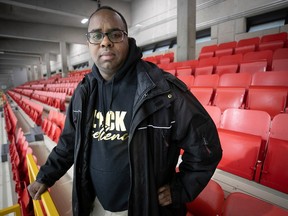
[[108, 56]]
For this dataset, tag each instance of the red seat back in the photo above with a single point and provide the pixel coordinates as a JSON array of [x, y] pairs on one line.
[[235, 80], [226, 97], [209, 202]]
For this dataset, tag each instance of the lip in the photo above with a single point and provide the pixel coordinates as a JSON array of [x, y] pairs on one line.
[[107, 55]]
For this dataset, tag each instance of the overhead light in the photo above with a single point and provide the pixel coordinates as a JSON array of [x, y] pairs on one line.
[[85, 20], [138, 25]]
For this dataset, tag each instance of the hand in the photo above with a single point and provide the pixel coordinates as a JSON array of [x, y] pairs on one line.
[[36, 189], [164, 195]]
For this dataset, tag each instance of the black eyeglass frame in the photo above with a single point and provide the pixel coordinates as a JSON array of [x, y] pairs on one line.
[[124, 33]]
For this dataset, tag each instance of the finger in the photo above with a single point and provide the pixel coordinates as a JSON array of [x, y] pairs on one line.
[[161, 189]]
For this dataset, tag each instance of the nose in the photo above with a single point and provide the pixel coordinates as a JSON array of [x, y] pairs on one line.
[[106, 42]]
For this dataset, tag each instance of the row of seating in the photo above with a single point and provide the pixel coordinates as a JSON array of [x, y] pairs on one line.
[[161, 58], [10, 118], [53, 125], [249, 62], [212, 201], [33, 110], [261, 91], [67, 88], [254, 146], [51, 98], [266, 42], [18, 149]]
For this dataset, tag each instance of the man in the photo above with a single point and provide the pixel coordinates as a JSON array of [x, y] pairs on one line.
[[125, 126]]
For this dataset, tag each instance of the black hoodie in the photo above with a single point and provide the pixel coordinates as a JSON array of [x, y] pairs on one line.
[[109, 161]]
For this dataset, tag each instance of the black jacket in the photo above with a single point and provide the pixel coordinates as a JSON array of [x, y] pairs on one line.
[[166, 117]]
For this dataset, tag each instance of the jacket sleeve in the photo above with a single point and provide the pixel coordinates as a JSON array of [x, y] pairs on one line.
[[61, 157], [197, 135]]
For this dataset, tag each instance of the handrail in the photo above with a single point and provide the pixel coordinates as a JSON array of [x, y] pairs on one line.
[[46, 199], [11, 209]]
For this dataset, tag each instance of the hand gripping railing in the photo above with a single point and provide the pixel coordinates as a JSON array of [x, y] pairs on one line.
[[46, 199]]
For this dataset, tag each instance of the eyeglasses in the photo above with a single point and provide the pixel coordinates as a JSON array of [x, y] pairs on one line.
[[115, 36]]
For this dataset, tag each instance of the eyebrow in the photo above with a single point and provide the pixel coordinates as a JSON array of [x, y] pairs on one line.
[[109, 30]]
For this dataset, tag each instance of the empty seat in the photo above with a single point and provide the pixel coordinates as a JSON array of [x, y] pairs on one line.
[[230, 60], [184, 70], [280, 54], [253, 67], [224, 49], [226, 97], [265, 55], [271, 100], [208, 62], [275, 173], [275, 78], [191, 63], [209, 202], [282, 36], [215, 113], [247, 45], [164, 60], [207, 51], [243, 135], [208, 70], [238, 204], [187, 79], [224, 69], [207, 80], [203, 94], [280, 64], [235, 80], [273, 45]]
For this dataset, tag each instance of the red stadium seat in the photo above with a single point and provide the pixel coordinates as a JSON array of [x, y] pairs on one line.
[[224, 69], [209, 202], [224, 49], [282, 36], [208, 70], [203, 94], [273, 45], [184, 70], [240, 153], [191, 63], [208, 62], [253, 67], [271, 100], [265, 55], [280, 64], [209, 48], [207, 80], [215, 113], [243, 135], [206, 55], [187, 79], [238, 204], [275, 173], [275, 78], [235, 80], [247, 45], [230, 60], [280, 54], [226, 97]]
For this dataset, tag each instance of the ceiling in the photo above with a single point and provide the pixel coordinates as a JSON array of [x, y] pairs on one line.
[[29, 29]]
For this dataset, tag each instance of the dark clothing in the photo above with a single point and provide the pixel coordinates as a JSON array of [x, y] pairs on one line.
[[109, 160], [165, 118]]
